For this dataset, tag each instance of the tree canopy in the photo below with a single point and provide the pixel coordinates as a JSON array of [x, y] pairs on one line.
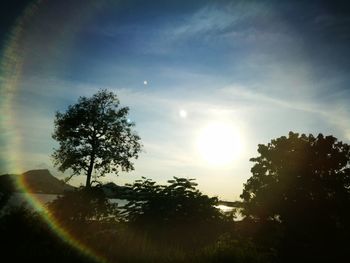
[[95, 135], [176, 203], [177, 212], [83, 205], [302, 184], [298, 175]]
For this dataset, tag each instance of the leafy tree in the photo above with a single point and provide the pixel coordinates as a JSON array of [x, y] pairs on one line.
[[172, 203], [175, 213], [95, 135], [83, 205], [302, 183]]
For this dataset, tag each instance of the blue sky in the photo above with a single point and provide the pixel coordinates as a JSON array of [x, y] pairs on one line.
[[262, 67]]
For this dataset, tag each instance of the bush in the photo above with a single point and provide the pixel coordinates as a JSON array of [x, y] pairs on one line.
[[177, 213]]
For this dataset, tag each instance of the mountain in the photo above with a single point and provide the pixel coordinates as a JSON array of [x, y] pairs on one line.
[[36, 181], [112, 190]]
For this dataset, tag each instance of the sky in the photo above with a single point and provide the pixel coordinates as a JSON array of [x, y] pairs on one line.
[[203, 79]]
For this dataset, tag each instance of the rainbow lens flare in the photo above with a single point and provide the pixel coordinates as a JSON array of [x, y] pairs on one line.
[[10, 75]]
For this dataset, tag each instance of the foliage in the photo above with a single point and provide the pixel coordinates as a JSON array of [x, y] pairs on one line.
[[83, 205], [95, 134], [230, 249], [177, 202], [296, 207], [6, 190], [24, 237], [177, 211], [166, 223], [303, 183], [298, 174]]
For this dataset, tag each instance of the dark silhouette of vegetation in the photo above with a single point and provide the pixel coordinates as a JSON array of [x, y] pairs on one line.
[[25, 237], [177, 213], [83, 206], [95, 135], [295, 208], [6, 190], [301, 187], [162, 223]]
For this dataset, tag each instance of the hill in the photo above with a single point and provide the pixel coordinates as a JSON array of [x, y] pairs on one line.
[[36, 181], [113, 190]]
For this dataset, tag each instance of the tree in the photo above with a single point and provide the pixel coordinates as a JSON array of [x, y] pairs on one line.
[[175, 203], [177, 213], [83, 206], [303, 184], [95, 135]]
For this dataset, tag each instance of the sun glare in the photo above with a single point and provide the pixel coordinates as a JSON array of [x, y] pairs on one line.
[[219, 143]]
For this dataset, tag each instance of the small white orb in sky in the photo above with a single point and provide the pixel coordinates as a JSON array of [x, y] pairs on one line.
[[145, 82], [183, 114]]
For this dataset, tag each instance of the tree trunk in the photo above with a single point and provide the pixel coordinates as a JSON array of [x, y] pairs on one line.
[[89, 172]]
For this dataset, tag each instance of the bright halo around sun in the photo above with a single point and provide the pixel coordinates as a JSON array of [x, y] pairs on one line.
[[219, 144]]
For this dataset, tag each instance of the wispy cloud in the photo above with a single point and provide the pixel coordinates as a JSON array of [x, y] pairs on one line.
[[251, 64], [209, 19]]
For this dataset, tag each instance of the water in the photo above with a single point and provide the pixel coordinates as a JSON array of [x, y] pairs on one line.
[[22, 199], [225, 208], [18, 199]]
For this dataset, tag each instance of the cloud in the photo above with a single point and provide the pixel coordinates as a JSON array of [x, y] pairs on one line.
[[208, 19], [332, 114], [247, 63]]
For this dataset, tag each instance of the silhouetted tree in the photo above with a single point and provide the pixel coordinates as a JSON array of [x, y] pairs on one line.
[[95, 134], [302, 183], [177, 212], [83, 205]]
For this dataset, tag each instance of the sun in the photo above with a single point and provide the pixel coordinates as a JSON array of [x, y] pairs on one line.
[[219, 143]]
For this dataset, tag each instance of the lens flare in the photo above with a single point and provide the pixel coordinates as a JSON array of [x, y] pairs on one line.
[[10, 74]]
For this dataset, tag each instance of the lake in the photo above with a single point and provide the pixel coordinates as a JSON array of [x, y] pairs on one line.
[[18, 199]]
